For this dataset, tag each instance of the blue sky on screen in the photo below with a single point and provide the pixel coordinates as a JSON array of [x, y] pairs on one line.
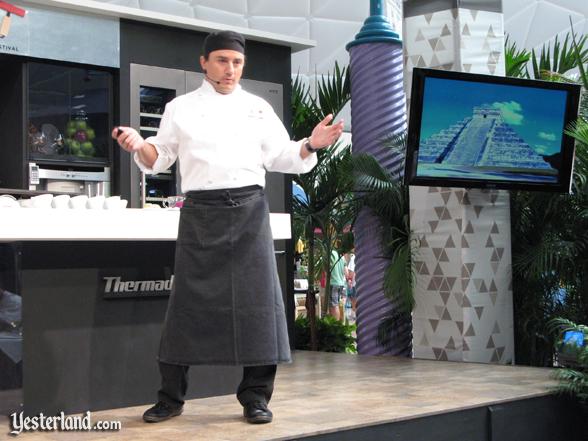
[[537, 115]]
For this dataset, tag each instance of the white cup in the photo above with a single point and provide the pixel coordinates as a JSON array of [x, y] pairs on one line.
[[42, 201], [96, 202], [122, 203], [78, 202], [61, 201]]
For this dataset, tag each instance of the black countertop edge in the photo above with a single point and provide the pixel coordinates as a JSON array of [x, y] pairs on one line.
[[22, 192]]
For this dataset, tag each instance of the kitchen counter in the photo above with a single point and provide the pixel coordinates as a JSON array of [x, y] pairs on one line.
[[83, 341], [38, 224]]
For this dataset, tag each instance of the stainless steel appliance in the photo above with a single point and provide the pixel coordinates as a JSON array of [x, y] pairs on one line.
[[151, 89], [92, 182]]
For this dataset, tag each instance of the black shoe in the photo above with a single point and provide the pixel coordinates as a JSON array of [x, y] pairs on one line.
[[257, 413], [161, 412]]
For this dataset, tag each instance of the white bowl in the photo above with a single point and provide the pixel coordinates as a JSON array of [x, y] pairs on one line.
[[42, 201], [112, 203], [25, 203], [78, 202], [7, 201], [96, 202], [61, 201]]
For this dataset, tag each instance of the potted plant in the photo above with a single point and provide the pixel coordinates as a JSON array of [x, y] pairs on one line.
[[550, 231], [326, 206]]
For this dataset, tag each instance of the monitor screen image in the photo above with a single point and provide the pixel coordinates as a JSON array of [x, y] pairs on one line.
[[485, 131]]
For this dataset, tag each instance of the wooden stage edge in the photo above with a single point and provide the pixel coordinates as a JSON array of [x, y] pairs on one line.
[[340, 397]]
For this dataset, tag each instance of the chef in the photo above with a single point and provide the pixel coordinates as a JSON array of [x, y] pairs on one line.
[[226, 305]]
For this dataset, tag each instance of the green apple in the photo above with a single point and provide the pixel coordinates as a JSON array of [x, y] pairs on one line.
[[71, 125], [81, 125], [87, 148], [70, 131], [74, 147], [90, 134]]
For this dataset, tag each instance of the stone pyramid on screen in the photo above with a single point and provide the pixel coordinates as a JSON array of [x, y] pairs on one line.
[[481, 140]]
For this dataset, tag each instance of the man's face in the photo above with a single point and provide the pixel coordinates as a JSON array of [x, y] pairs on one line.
[[223, 69]]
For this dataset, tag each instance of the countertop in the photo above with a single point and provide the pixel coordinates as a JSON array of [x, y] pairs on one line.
[[26, 193], [50, 224]]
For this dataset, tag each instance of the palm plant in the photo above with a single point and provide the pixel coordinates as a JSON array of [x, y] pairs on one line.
[[515, 60], [327, 208], [332, 93], [388, 199], [572, 381], [327, 205], [550, 239], [559, 59], [550, 259]]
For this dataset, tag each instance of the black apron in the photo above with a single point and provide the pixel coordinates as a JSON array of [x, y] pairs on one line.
[[226, 304]]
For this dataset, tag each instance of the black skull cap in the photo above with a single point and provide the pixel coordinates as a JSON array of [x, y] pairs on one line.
[[224, 40]]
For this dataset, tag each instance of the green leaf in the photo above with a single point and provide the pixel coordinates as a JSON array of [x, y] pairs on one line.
[[556, 58], [515, 60]]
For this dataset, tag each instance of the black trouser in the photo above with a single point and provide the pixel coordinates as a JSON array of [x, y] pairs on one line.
[[257, 384]]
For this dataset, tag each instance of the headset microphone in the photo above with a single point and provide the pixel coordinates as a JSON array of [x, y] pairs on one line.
[[206, 75], [214, 81]]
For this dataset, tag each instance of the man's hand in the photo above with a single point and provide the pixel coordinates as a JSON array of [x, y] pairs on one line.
[[128, 138], [323, 135]]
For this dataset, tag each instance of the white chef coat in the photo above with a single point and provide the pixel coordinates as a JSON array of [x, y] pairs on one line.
[[224, 141]]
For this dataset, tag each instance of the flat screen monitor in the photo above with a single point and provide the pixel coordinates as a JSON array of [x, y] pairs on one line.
[[482, 131]]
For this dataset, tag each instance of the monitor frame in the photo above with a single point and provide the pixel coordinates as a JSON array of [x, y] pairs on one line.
[[419, 78]]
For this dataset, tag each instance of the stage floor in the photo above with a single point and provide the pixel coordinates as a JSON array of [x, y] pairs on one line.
[[323, 393]]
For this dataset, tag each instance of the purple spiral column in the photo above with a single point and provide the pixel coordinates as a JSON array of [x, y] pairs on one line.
[[378, 109]]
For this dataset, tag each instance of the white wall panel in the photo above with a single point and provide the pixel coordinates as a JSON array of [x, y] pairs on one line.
[[531, 23], [333, 35], [173, 7], [293, 26], [127, 3], [549, 20], [218, 16], [340, 9], [296, 8], [235, 6]]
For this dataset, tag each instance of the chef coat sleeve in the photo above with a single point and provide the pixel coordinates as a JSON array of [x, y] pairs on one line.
[[280, 154], [165, 143]]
